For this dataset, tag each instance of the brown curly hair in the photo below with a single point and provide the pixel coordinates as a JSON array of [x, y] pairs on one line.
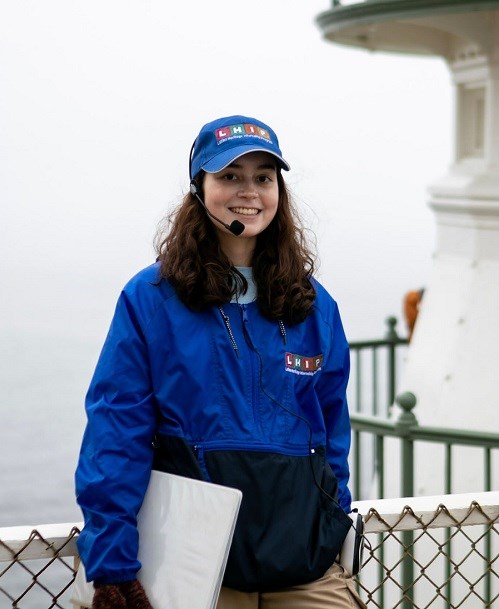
[[193, 262]]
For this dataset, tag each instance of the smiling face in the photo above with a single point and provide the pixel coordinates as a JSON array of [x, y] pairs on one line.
[[246, 190]]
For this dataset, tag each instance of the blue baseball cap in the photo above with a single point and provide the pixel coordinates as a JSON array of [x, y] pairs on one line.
[[224, 140]]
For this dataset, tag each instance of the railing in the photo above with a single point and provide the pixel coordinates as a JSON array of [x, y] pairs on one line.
[[438, 578], [406, 429], [45, 555], [375, 365], [37, 565]]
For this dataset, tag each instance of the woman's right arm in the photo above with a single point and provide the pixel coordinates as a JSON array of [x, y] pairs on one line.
[[116, 454]]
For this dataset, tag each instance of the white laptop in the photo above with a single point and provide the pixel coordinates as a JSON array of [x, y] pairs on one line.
[[185, 532]]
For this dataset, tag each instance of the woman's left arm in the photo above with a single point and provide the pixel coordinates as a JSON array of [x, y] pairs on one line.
[[332, 394]]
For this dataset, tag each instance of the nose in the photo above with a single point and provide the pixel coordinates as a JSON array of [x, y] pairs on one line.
[[247, 191]]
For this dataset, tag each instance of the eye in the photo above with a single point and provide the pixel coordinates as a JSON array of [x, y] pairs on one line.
[[263, 179], [229, 177]]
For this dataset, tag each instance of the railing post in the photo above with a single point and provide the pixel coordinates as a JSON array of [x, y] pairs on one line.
[[391, 336], [404, 425]]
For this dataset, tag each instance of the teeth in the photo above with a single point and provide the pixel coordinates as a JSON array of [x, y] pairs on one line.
[[245, 211]]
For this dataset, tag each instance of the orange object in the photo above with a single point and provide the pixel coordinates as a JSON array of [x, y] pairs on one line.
[[412, 301]]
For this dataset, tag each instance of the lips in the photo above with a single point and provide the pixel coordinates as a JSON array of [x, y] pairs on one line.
[[245, 211]]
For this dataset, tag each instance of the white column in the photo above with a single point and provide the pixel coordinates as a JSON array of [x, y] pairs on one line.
[[453, 361]]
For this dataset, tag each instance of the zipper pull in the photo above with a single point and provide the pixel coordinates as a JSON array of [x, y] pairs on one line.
[[245, 320], [245, 313]]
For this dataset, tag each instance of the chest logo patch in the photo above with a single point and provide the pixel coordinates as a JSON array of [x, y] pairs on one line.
[[300, 364]]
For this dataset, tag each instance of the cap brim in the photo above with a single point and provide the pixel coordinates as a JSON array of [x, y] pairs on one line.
[[220, 161]]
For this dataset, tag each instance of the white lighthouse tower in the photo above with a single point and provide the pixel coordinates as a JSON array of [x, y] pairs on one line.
[[453, 361]]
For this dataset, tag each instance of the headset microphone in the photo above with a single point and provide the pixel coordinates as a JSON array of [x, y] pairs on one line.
[[235, 227]]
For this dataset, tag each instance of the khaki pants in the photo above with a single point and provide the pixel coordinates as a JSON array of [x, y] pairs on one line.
[[332, 591]]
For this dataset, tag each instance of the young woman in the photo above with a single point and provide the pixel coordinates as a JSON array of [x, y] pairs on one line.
[[226, 361]]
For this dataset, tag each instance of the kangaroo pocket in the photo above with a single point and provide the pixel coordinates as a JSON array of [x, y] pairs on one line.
[[288, 531]]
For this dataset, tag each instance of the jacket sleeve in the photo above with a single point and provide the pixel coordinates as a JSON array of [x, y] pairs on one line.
[[116, 455], [332, 394]]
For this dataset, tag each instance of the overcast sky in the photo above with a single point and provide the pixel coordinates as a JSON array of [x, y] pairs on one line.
[[100, 102]]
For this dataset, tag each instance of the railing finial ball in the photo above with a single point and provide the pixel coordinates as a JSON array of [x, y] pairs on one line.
[[391, 332], [406, 401], [407, 419]]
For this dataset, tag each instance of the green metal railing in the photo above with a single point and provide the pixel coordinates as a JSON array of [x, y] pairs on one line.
[[407, 430], [372, 394], [375, 366]]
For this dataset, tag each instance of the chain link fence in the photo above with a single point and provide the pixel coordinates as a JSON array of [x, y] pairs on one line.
[[447, 557], [37, 567]]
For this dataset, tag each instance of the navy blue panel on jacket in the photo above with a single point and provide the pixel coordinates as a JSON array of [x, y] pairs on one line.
[[234, 398]]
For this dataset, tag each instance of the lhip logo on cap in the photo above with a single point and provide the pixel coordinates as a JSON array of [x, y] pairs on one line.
[[241, 130]]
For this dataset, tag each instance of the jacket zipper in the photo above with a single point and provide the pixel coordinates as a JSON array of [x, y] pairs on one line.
[[254, 367], [282, 329], [201, 448]]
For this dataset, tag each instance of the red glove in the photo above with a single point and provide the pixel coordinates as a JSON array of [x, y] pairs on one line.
[[128, 595]]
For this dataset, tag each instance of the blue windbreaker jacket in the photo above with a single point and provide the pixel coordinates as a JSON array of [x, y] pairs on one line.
[[228, 396]]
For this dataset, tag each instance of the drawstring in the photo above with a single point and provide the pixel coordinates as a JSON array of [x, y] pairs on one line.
[[283, 330], [229, 330], [226, 320]]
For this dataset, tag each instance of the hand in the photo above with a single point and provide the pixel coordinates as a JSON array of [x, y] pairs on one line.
[[127, 595]]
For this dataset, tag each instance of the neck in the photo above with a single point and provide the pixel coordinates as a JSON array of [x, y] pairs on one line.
[[238, 250]]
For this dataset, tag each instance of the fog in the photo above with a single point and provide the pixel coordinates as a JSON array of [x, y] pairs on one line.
[[99, 105]]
